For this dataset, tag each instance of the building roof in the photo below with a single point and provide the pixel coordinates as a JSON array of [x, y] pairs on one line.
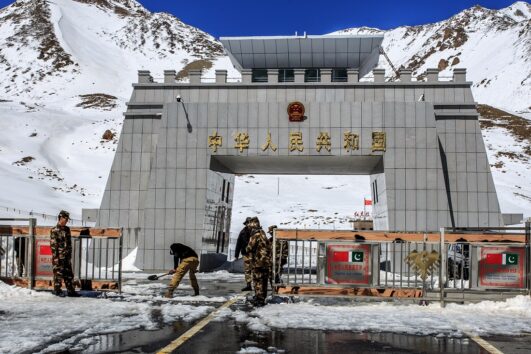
[[359, 52]]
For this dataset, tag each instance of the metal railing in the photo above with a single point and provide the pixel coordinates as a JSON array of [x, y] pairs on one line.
[[456, 270], [26, 256], [301, 266]]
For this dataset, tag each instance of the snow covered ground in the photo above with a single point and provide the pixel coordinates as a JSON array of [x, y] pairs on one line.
[[32, 320], [510, 317], [40, 322]]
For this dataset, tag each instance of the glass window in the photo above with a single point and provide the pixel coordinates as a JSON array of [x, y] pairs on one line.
[[312, 75], [259, 75], [339, 75], [286, 75]]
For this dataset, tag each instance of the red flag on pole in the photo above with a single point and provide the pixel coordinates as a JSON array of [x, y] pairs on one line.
[[367, 201]]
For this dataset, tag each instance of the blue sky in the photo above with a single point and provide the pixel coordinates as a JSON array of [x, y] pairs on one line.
[[284, 17]]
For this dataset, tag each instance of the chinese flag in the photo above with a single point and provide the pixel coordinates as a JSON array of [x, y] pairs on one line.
[[494, 258], [340, 256], [367, 202]]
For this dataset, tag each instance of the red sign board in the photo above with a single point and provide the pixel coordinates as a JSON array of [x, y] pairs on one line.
[[502, 267], [348, 264], [43, 258]]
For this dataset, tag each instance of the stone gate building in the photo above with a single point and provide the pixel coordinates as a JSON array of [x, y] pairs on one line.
[[300, 108]]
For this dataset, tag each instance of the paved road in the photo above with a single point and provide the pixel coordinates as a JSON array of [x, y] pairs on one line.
[[231, 337]]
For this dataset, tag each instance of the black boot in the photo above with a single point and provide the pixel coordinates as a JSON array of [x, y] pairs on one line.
[[248, 287], [59, 293], [73, 294]]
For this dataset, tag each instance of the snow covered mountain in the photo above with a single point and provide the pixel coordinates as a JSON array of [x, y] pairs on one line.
[[66, 68], [494, 46]]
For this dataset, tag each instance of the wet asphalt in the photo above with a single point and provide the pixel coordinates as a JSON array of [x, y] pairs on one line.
[[231, 337]]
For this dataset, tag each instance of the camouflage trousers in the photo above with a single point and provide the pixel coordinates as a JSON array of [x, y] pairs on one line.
[[189, 264], [248, 269], [260, 279], [63, 272]]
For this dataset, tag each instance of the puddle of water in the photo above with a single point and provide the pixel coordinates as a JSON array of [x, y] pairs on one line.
[[137, 341], [230, 337]]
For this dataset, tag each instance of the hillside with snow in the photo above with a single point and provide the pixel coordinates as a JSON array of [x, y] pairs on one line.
[[494, 46], [66, 69]]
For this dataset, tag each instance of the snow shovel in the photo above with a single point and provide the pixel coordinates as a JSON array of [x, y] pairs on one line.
[[155, 276]]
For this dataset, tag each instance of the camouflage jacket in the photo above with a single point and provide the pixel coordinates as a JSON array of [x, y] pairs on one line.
[[281, 256], [259, 249], [61, 244]]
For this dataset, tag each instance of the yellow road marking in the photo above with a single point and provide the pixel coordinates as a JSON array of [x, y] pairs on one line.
[[198, 326], [484, 344]]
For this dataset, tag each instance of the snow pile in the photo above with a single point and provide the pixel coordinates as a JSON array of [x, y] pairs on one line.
[[128, 263], [155, 291], [61, 318], [221, 275], [173, 312], [73, 323], [510, 317], [251, 350]]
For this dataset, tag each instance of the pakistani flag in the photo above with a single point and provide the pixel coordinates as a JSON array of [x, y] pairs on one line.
[[347, 256], [502, 258]]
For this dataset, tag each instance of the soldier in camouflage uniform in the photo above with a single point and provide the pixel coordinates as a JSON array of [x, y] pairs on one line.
[[259, 249], [61, 245], [281, 256], [241, 247]]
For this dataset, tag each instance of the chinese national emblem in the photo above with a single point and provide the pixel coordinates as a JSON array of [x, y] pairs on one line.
[[296, 112]]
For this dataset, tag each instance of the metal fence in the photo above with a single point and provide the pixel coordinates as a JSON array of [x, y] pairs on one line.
[[25, 254], [456, 271]]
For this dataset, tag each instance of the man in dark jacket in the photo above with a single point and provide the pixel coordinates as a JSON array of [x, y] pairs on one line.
[[259, 249], [241, 246], [184, 260], [61, 245]]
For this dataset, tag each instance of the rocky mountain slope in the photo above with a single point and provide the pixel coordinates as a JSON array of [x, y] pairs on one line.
[[494, 46], [66, 68]]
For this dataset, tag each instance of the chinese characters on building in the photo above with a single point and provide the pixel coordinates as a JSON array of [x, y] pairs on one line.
[[351, 141]]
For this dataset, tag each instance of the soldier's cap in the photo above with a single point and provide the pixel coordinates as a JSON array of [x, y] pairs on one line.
[[64, 213], [247, 220], [255, 219], [271, 228]]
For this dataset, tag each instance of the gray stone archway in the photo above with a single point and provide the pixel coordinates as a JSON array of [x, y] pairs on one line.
[[172, 176]]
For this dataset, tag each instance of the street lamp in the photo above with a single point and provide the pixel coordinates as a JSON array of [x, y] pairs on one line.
[[188, 125]]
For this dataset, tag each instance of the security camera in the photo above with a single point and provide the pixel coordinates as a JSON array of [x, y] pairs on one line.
[[178, 98]]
